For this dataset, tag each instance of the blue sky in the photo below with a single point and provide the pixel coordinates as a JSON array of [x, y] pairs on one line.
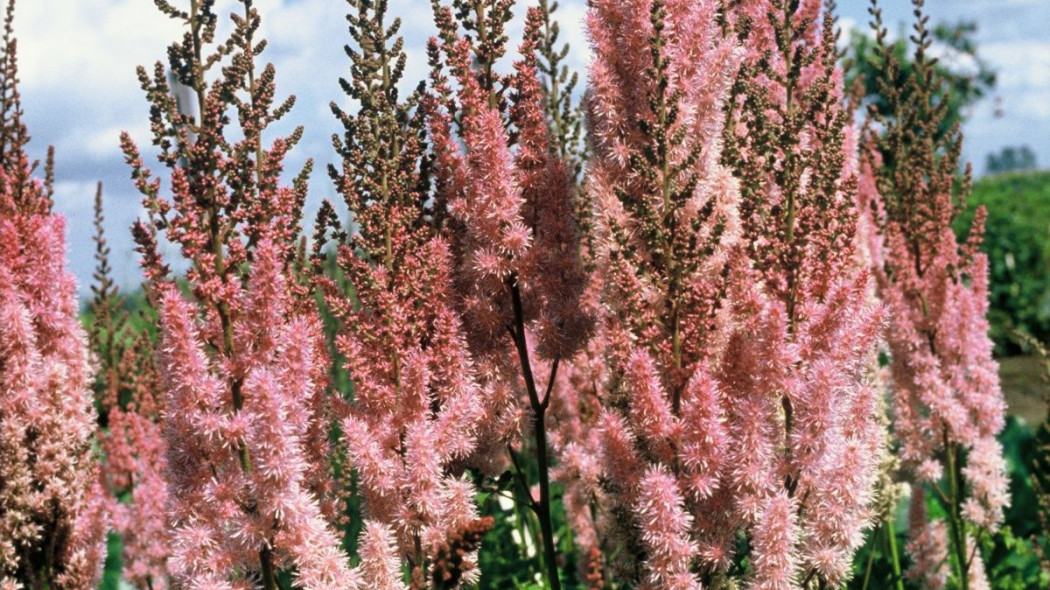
[[78, 60]]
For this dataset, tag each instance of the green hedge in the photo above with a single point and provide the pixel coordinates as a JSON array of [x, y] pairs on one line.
[[1017, 242]]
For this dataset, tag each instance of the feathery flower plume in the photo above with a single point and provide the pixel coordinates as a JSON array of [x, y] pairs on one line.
[[574, 412], [927, 545], [667, 224], [416, 404], [53, 516], [242, 363], [505, 198], [379, 562], [133, 449], [790, 141], [947, 403], [775, 537], [665, 533], [510, 210], [728, 249]]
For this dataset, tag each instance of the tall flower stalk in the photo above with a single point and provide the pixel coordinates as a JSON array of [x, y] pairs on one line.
[[505, 198], [811, 328], [416, 407], [52, 509], [947, 403], [562, 109], [127, 392], [740, 399], [241, 355], [666, 218]]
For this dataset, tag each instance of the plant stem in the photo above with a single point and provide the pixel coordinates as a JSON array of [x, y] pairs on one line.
[[225, 314], [539, 427], [266, 557], [957, 526], [895, 558], [871, 557]]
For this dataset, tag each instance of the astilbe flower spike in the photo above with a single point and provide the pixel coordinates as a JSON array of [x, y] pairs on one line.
[[776, 535], [507, 195], [241, 356], [575, 441], [238, 471], [666, 217], [574, 406], [506, 200], [927, 545], [127, 391], [52, 509], [416, 404], [790, 141], [743, 334], [947, 404]]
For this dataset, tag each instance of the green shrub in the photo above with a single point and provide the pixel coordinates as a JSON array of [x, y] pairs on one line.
[[1017, 242]]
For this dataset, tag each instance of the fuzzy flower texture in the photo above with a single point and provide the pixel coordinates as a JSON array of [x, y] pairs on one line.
[[52, 510], [677, 355], [947, 403], [740, 388], [53, 517]]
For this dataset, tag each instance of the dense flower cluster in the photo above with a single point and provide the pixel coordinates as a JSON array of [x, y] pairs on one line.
[[417, 405], [666, 210], [243, 363], [507, 201], [53, 516], [52, 511], [127, 392], [947, 405], [510, 212], [666, 340], [741, 331], [791, 143], [240, 454]]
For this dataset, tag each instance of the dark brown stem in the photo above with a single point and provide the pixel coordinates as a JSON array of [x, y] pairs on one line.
[[520, 474], [539, 427], [266, 557], [808, 578]]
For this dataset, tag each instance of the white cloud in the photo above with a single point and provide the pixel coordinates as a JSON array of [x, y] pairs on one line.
[[1021, 63], [89, 44], [957, 61], [571, 17]]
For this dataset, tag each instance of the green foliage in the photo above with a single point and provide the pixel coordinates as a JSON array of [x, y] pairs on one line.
[[1011, 159], [111, 573], [1011, 558], [510, 550], [1040, 467], [137, 307], [1017, 241], [872, 566], [505, 560], [1012, 563], [1040, 481]]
